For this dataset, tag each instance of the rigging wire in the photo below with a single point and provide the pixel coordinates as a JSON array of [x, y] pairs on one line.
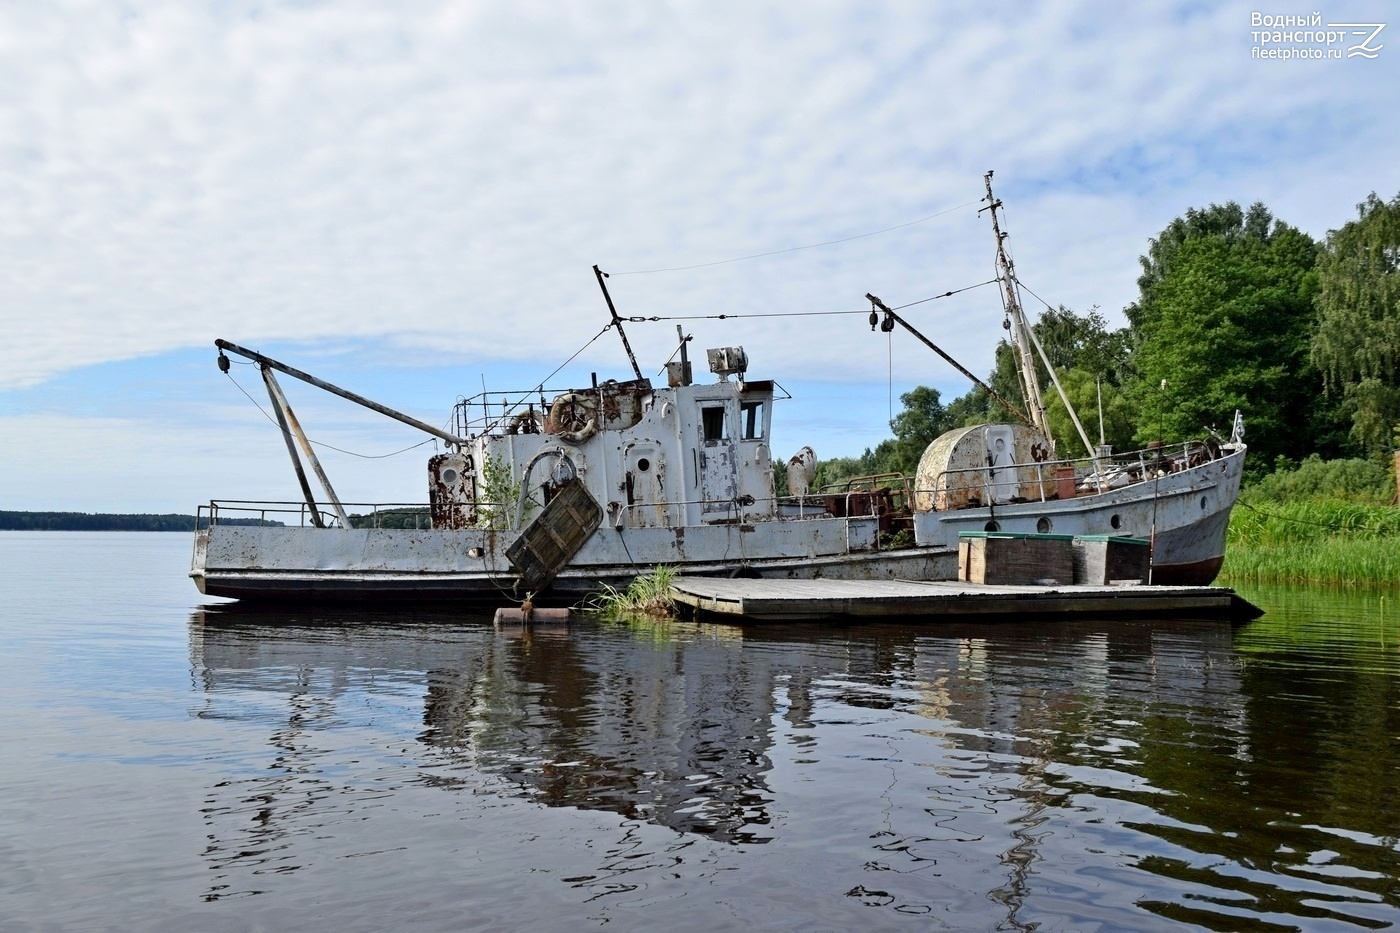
[[606, 327], [352, 453], [966, 288], [889, 340], [1020, 284], [654, 318], [793, 249], [645, 319], [1333, 526], [639, 319], [540, 386]]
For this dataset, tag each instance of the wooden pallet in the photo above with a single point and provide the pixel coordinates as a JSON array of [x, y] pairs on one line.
[[548, 543]]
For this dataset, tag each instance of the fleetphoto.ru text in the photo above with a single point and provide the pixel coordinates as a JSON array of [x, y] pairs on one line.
[[1305, 36]]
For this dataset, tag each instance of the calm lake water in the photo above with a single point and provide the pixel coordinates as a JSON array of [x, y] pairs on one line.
[[171, 764]]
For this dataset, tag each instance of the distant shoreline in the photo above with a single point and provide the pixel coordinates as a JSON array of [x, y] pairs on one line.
[[101, 521]]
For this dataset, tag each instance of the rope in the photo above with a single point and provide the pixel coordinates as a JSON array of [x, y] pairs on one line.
[[725, 317], [1297, 521], [623, 538], [507, 594], [1020, 284], [889, 340], [319, 443], [506, 413], [956, 291], [606, 327]]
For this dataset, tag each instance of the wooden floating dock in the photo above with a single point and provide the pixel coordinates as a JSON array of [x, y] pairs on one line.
[[786, 600]]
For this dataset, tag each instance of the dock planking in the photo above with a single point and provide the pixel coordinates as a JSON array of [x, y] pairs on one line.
[[787, 600]]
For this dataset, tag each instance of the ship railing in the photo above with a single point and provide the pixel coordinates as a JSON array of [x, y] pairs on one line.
[[736, 507], [811, 505], [806, 505], [867, 495], [495, 412], [299, 514], [1072, 477]]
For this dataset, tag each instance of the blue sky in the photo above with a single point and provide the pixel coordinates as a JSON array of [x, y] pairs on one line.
[[405, 201]]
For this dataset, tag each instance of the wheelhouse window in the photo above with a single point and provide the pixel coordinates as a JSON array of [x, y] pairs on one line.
[[712, 423], [751, 420]]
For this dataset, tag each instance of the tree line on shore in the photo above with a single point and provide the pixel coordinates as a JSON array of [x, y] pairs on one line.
[[98, 521], [1236, 310]]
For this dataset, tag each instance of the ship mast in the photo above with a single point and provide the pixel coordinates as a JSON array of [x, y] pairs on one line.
[[1021, 336], [1024, 339]]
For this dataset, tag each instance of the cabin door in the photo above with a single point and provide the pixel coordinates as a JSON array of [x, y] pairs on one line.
[[718, 463], [1003, 478], [645, 487]]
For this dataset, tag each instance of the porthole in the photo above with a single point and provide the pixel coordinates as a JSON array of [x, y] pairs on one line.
[[1116, 522], [1203, 503], [643, 464], [449, 476], [992, 526], [1043, 526]]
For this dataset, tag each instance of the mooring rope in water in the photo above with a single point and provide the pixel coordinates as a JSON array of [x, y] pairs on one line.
[[1297, 521]]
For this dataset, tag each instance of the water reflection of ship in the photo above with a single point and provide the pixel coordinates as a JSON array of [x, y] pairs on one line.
[[675, 732], [678, 730], [691, 701]]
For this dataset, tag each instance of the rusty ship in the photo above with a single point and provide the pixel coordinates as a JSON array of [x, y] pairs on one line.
[[557, 496]]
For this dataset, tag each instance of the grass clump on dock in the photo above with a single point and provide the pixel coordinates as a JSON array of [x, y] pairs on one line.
[[649, 595], [1324, 522]]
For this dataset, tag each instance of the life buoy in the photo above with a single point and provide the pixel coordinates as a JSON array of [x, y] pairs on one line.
[[527, 422], [572, 415]]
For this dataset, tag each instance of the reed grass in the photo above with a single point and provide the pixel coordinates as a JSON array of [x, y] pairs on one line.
[[647, 596], [1313, 541]]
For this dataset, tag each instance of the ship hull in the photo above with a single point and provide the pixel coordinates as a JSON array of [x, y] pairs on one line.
[[1185, 516]]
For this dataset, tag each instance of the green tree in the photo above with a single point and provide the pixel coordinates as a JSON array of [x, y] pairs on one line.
[[840, 469], [1222, 323], [1353, 480], [1226, 222], [1005, 381], [1085, 353], [1357, 342], [1084, 392], [1082, 341], [923, 419], [975, 407]]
